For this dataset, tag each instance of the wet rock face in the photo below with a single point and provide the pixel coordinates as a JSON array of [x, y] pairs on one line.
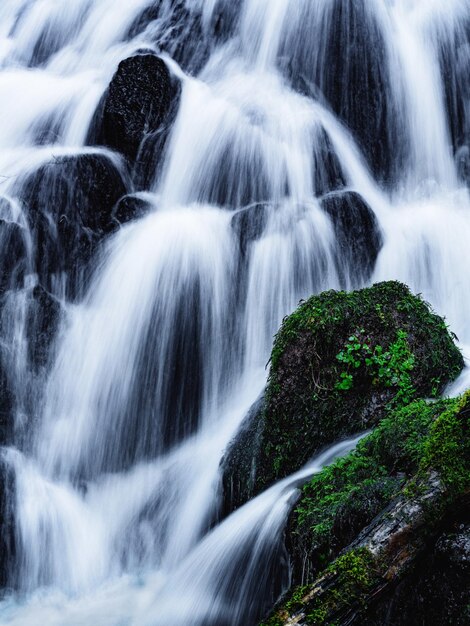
[[454, 58], [249, 224], [357, 85], [7, 527], [328, 175], [130, 208], [42, 324], [242, 452], [136, 104], [7, 403], [13, 255], [30, 320], [176, 27], [240, 179], [358, 236], [69, 204], [437, 591], [455, 548], [225, 19], [462, 162]]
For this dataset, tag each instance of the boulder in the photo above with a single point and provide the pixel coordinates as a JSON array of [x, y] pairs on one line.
[[358, 236], [175, 27], [339, 362], [249, 224], [408, 561], [69, 204], [137, 103]]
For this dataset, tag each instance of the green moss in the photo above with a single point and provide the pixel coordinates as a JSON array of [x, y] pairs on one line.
[[395, 458], [347, 581], [340, 361], [447, 448], [346, 496], [390, 368], [324, 314], [354, 575]]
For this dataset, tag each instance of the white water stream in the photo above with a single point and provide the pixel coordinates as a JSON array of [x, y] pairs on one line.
[[118, 479]]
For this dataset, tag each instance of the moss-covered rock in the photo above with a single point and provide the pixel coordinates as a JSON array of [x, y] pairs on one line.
[[394, 495], [339, 363], [345, 497]]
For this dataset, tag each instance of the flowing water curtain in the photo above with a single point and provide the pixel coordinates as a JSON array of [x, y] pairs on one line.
[[311, 146]]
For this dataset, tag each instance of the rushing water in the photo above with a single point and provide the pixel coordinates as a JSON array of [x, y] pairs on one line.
[[118, 441]]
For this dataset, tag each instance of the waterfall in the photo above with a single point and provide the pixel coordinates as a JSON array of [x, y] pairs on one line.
[[281, 112]]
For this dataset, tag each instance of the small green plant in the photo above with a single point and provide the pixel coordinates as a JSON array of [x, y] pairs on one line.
[[389, 368]]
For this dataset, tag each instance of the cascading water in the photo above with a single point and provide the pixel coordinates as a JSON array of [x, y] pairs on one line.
[[286, 106]]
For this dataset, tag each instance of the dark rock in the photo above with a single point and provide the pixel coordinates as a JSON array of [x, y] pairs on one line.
[[136, 104], [7, 405], [242, 452], [454, 58], [42, 324], [13, 255], [130, 208], [436, 591], [69, 204], [328, 174], [349, 42], [225, 19], [175, 27], [462, 161], [358, 236], [455, 548], [7, 524], [249, 224], [152, 153], [239, 179]]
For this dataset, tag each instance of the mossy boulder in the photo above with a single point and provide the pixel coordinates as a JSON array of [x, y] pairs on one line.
[[418, 462], [345, 497], [339, 363]]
